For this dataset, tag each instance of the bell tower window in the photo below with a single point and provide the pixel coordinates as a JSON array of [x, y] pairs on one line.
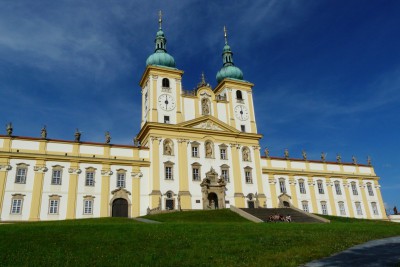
[[165, 83]]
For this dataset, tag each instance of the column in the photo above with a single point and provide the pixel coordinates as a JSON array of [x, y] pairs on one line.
[[311, 185], [156, 174], [179, 117], [230, 114], [348, 198], [136, 176], [237, 176], [105, 191], [272, 185], [36, 203], [184, 194], [293, 192], [4, 168], [260, 187], [251, 109], [74, 172], [380, 200], [332, 202], [364, 198], [153, 97]]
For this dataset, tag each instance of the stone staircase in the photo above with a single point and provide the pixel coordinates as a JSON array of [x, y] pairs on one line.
[[297, 216]]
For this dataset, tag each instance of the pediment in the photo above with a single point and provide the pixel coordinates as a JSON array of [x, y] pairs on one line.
[[208, 123]]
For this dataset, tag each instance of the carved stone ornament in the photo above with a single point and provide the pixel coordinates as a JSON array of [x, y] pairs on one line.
[[183, 140], [204, 93], [40, 169], [5, 167], [272, 181], [74, 171], [9, 129], [136, 175], [106, 172], [155, 138], [208, 125]]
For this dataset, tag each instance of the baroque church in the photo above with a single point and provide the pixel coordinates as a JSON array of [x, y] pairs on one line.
[[195, 150]]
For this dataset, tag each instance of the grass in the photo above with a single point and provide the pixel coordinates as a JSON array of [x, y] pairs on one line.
[[195, 238]]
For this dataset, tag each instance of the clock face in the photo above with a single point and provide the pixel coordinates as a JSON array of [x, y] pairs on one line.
[[241, 112], [166, 102]]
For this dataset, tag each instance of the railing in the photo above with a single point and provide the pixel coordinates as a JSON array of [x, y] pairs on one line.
[[221, 97], [166, 89]]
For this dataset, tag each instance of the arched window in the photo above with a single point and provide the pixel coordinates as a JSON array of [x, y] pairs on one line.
[[239, 95], [165, 82], [342, 208], [169, 200]]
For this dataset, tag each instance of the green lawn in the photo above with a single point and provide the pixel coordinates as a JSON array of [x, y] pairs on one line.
[[196, 238]]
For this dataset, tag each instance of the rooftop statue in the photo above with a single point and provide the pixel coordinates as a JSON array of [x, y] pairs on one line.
[[9, 129], [43, 132]]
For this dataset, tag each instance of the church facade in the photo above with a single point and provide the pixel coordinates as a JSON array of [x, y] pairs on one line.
[[198, 150]]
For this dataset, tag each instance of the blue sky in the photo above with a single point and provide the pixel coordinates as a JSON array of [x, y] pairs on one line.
[[326, 73]]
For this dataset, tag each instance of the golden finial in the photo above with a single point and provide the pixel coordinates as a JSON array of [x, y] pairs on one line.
[[225, 35], [159, 18], [203, 79]]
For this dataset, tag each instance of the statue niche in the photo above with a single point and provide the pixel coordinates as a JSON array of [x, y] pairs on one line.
[[205, 106], [213, 191], [209, 149], [168, 147]]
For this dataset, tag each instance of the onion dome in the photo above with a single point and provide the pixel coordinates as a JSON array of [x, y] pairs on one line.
[[160, 57], [228, 70]]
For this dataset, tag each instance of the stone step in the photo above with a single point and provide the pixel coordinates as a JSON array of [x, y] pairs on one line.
[[296, 216]]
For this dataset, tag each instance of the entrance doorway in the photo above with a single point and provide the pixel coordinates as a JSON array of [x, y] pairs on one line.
[[213, 200], [169, 204], [120, 208], [250, 204]]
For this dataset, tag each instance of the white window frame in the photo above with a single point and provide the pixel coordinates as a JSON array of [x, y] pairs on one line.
[[54, 206], [89, 178], [370, 190], [88, 206], [56, 176], [248, 176], [354, 188], [222, 152], [121, 179], [302, 187], [20, 175], [358, 208], [305, 207], [320, 186], [374, 207], [195, 173], [16, 206], [338, 189], [324, 208], [342, 208], [168, 173], [195, 151]]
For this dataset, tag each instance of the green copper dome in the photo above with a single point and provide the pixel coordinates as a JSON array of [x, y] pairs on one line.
[[160, 57], [232, 72], [228, 70]]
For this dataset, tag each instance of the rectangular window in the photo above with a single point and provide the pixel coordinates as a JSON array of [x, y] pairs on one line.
[[282, 186], [56, 178], [320, 187], [20, 178], [358, 208], [324, 208], [16, 206], [195, 151], [121, 180], [354, 188], [168, 173], [89, 181], [243, 128], [223, 153], [196, 175], [305, 206], [370, 190], [53, 206], [249, 179], [337, 188], [342, 209], [302, 187], [166, 119], [88, 206], [225, 175], [374, 208]]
